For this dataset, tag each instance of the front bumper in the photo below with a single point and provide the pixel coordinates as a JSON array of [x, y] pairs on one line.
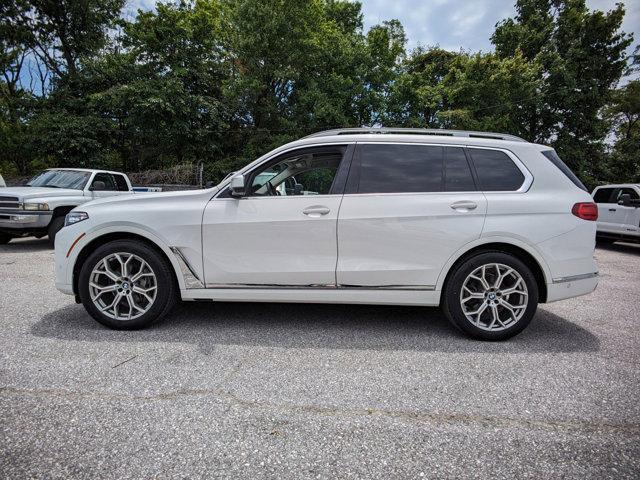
[[19, 220]]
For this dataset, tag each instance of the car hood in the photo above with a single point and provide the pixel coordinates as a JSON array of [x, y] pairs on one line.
[[39, 192], [121, 201]]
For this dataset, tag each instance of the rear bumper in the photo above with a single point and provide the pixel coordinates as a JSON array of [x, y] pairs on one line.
[[570, 287]]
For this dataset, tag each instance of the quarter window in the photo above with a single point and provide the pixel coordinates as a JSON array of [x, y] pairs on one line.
[[496, 171], [121, 183], [603, 195], [457, 174], [400, 168]]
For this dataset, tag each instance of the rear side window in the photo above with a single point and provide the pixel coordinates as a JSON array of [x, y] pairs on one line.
[[555, 159], [107, 179], [457, 174], [603, 195], [121, 183], [496, 171], [400, 168]]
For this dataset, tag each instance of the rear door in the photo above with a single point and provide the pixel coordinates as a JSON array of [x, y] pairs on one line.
[[406, 210]]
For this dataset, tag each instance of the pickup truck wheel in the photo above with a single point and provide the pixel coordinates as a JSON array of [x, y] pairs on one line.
[[54, 227], [126, 285], [491, 296], [5, 238]]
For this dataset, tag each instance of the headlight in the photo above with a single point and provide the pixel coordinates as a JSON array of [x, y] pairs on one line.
[[36, 206], [75, 217]]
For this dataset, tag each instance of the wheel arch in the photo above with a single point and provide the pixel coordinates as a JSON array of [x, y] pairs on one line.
[[523, 252], [107, 237]]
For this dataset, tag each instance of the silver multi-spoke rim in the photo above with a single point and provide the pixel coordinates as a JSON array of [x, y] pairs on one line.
[[494, 297], [123, 286]]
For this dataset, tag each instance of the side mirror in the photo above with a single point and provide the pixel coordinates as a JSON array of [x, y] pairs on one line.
[[625, 200], [237, 186], [98, 186]]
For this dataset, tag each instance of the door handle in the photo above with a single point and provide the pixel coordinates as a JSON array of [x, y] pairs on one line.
[[316, 211], [464, 206], [612, 209]]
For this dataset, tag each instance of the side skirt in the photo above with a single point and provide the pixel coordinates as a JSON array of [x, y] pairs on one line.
[[317, 295]]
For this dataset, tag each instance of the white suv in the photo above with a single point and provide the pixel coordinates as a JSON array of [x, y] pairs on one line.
[[485, 225], [618, 212]]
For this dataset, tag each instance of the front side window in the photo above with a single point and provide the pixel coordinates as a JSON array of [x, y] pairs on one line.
[[107, 180], [625, 191], [603, 195], [305, 172], [400, 168], [60, 179], [496, 171]]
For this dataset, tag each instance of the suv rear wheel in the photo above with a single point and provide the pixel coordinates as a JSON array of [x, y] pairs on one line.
[[126, 284], [491, 296]]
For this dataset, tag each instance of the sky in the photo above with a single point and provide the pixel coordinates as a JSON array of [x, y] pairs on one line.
[[452, 24]]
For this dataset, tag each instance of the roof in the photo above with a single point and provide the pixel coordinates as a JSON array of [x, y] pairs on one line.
[[89, 170]]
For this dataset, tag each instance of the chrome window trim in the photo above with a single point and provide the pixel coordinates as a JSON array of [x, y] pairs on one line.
[[526, 185]]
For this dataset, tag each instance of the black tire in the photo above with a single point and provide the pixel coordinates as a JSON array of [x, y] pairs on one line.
[[452, 295], [166, 294], [54, 227], [5, 238]]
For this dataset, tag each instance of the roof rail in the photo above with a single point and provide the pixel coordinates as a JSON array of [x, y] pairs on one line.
[[417, 131]]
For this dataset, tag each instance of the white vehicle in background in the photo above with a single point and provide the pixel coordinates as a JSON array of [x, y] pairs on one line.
[[618, 212], [38, 209], [2, 184], [484, 225]]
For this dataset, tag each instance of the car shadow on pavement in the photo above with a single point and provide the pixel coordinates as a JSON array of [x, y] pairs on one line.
[[24, 245], [210, 325]]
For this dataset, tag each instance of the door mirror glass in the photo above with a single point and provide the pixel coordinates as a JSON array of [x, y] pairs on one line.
[[237, 186]]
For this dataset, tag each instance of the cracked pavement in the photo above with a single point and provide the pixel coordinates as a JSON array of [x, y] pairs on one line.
[[316, 391]]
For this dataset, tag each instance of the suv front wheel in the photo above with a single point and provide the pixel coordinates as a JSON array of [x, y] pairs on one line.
[[491, 296], [126, 284]]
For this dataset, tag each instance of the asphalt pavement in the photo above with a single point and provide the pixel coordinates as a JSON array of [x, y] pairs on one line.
[[249, 390]]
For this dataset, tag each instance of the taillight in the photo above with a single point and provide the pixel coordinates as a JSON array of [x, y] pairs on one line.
[[585, 210]]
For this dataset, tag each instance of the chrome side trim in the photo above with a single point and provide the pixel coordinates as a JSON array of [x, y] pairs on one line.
[[241, 286], [191, 279], [574, 278]]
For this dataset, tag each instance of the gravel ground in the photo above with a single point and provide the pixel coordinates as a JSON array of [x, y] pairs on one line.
[[314, 391]]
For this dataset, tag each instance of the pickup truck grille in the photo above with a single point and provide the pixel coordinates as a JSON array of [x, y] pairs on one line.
[[9, 202]]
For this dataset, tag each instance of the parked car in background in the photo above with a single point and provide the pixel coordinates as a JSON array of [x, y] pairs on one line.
[[618, 212], [38, 209], [485, 225]]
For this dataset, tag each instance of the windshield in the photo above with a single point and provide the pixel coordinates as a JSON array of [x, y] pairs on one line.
[[60, 179]]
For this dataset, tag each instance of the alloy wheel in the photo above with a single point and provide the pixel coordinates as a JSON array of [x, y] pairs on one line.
[[123, 286], [494, 297]]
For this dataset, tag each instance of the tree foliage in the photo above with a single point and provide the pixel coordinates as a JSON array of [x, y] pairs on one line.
[[223, 81]]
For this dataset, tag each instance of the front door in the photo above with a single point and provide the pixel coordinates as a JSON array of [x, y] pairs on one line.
[[406, 210], [282, 234]]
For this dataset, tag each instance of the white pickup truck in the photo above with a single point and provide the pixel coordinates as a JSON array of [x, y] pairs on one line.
[[618, 212], [39, 208]]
